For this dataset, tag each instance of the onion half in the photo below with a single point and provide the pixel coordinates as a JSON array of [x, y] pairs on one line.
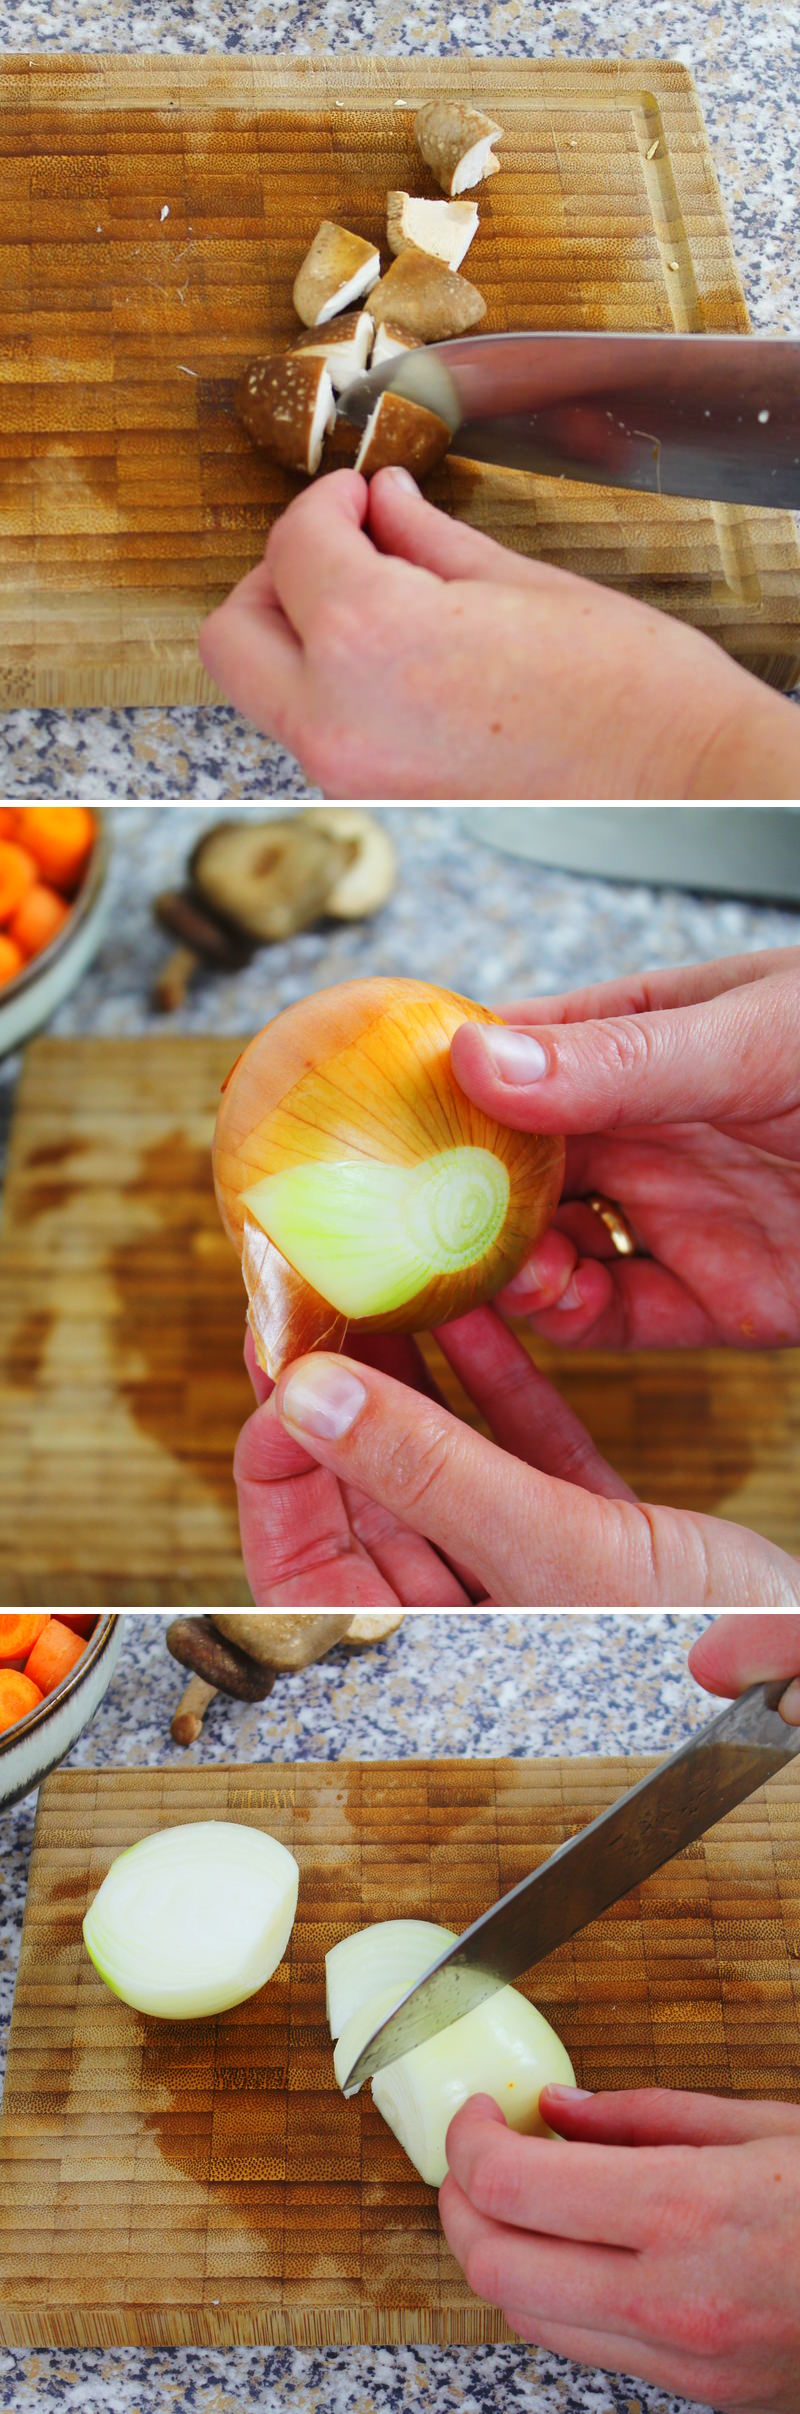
[[193, 1919], [505, 2048]]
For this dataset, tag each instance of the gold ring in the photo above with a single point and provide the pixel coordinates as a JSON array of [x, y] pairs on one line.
[[616, 1223]]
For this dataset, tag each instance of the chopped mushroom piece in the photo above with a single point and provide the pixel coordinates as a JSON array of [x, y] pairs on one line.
[[368, 878], [426, 298], [338, 270], [288, 407], [344, 346], [390, 340], [269, 878], [443, 228], [399, 432], [456, 143]]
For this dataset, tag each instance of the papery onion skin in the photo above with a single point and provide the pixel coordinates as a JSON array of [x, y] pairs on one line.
[[223, 1896], [362, 1074]]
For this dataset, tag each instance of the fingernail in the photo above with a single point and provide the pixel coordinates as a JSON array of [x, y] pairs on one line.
[[568, 2095], [789, 1705], [322, 1399], [403, 477], [515, 1055], [572, 1297]]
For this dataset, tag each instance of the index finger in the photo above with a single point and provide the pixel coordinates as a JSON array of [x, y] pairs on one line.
[[318, 550], [600, 2195]]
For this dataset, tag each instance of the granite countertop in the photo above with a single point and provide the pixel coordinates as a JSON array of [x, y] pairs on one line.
[[484, 924], [745, 61], [443, 1685]]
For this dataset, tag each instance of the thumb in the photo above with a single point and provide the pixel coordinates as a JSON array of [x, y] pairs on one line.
[[402, 523], [729, 1058], [661, 2116]]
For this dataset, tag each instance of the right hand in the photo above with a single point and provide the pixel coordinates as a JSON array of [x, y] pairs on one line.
[[737, 1652], [679, 1092]]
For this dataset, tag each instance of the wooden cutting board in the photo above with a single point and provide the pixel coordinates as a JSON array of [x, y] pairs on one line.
[[205, 2183], [155, 211], [122, 1318]]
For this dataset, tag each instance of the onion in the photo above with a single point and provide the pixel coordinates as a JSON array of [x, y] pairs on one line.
[[359, 1185], [193, 1919], [394, 1954], [504, 2048]]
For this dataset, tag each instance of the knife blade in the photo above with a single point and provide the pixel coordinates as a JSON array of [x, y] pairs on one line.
[[728, 1759], [711, 416]]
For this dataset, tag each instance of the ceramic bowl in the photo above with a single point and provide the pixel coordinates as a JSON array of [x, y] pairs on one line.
[[31, 998], [37, 1743]]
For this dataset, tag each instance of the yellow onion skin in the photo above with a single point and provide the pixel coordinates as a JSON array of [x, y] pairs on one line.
[[363, 1072]]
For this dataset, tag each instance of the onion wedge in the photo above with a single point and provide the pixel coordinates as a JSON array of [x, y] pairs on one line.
[[193, 1919], [504, 2049]]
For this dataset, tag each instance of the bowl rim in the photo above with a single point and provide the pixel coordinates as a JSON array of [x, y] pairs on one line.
[[86, 896], [95, 1646]]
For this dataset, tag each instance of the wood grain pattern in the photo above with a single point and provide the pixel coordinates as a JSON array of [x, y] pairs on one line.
[[130, 499], [205, 2182], [122, 1318]]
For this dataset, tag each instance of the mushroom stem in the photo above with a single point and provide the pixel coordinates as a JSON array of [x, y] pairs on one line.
[[187, 1721]]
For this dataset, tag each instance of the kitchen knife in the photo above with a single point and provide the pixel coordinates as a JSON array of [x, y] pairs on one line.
[[729, 1758], [714, 416]]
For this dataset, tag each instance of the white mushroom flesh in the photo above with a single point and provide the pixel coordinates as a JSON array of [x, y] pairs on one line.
[[390, 341], [323, 419], [445, 229], [365, 277], [476, 165]]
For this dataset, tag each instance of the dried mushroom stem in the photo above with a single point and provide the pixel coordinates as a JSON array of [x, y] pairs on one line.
[[186, 1723], [456, 143]]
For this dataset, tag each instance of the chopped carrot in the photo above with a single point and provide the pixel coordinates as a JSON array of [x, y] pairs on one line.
[[18, 1633], [38, 918], [17, 873], [11, 958], [18, 1695], [83, 1620], [54, 1654], [59, 838], [8, 821]]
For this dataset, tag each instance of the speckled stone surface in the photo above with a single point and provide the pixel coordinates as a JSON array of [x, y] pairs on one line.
[[443, 1685], [746, 61], [481, 923]]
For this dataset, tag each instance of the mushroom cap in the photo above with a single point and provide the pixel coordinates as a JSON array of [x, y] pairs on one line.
[[420, 294], [448, 133], [287, 405], [337, 270], [369, 875], [402, 433], [445, 229]]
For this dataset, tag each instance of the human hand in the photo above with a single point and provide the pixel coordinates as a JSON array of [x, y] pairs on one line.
[[737, 1652], [661, 2241], [397, 652], [358, 1487], [680, 1093]]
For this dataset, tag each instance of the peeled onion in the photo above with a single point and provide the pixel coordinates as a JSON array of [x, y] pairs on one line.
[[504, 2048], [359, 1185], [193, 1919]]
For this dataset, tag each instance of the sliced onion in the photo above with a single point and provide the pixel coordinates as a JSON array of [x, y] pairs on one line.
[[504, 2049], [193, 1919], [394, 1953]]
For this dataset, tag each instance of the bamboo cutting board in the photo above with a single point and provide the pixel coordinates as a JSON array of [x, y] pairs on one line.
[[155, 211], [205, 2183], [122, 1318]]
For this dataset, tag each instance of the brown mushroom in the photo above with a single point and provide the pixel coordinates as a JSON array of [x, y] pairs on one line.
[[445, 229], [197, 1645], [278, 1641], [402, 433], [344, 346], [268, 878], [287, 405], [369, 875], [456, 144], [430, 300], [391, 340], [337, 271]]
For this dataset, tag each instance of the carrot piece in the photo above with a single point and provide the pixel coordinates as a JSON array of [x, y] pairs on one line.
[[59, 838], [8, 821], [18, 1633], [54, 1654], [18, 1695], [11, 958], [17, 873], [38, 918], [83, 1620]]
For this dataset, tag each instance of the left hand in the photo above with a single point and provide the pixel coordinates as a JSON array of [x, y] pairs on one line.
[[397, 652], [662, 2241]]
